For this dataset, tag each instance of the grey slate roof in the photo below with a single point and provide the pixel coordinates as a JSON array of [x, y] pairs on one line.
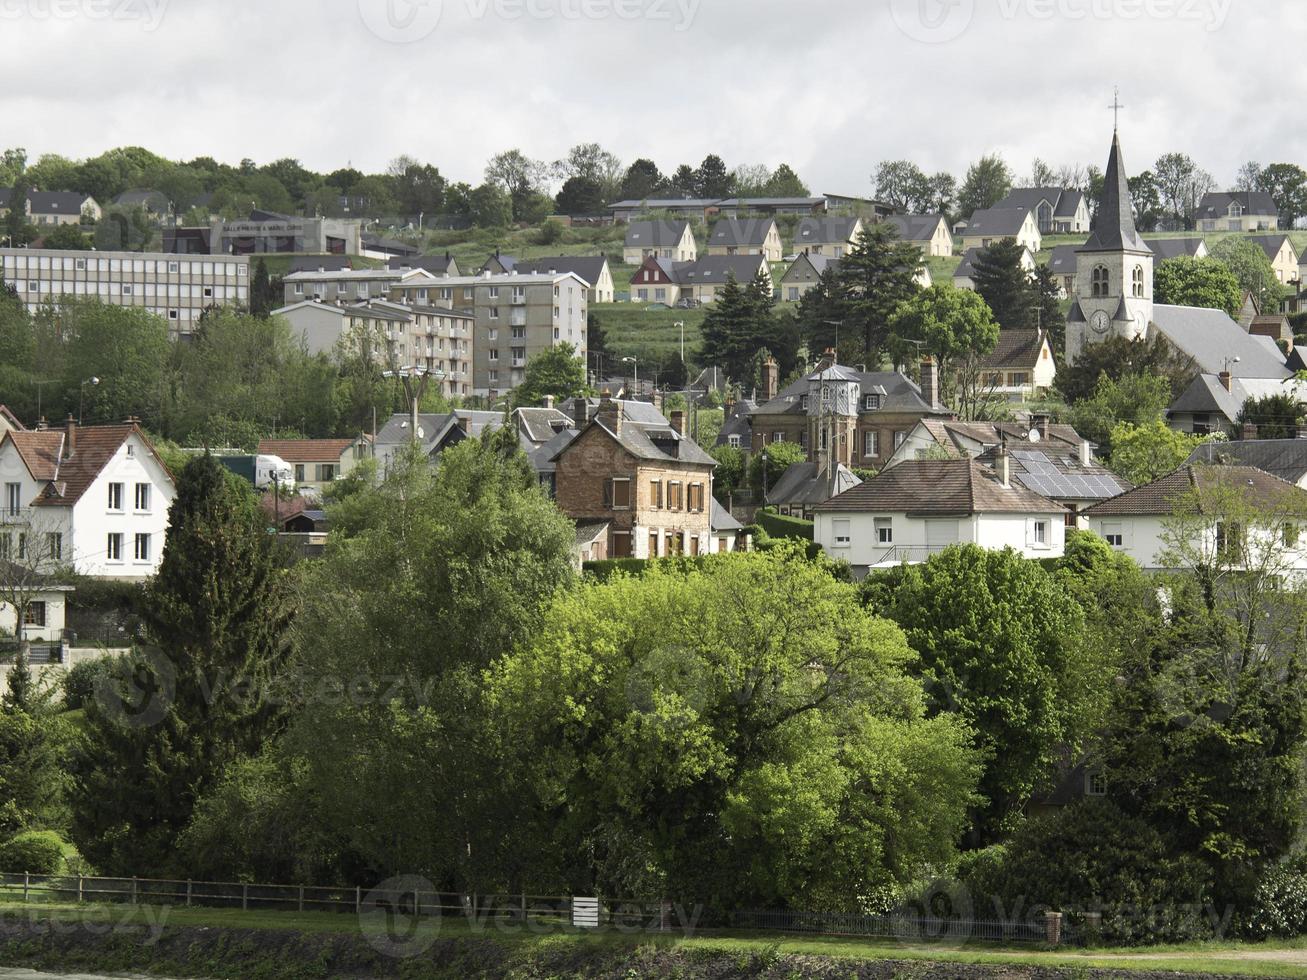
[[939, 486], [1065, 201], [1271, 244], [1216, 205], [436, 264], [1212, 339], [663, 203], [717, 268], [539, 425], [1115, 229], [655, 234], [1285, 458], [720, 518], [312, 263], [1206, 395], [738, 424], [808, 267], [588, 267], [1056, 473], [1174, 248], [735, 232], [898, 394], [436, 427], [57, 202], [653, 443], [1063, 260], [802, 484], [542, 457], [825, 230], [997, 222], [915, 227]]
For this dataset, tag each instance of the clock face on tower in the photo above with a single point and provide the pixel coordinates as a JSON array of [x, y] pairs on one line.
[[1100, 321]]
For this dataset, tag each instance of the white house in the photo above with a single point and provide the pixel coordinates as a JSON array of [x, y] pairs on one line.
[[1220, 502], [91, 497], [921, 507]]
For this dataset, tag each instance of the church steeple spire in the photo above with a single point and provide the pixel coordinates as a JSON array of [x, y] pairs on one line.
[[1115, 229]]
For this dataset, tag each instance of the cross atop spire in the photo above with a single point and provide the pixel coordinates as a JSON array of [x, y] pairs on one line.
[[1116, 107]]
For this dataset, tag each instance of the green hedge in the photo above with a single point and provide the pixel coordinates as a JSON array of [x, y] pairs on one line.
[[782, 526], [37, 851]]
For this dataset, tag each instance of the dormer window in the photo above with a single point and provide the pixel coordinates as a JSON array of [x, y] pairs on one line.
[[803, 402], [871, 403]]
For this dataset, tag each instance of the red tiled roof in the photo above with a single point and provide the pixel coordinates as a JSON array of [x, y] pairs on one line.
[[11, 418], [1191, 484], [93, 447], [39, 451], [305, 450]]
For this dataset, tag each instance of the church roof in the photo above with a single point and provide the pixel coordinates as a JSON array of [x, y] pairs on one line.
[[1213, 340], [1115, 230], [1075, 314]]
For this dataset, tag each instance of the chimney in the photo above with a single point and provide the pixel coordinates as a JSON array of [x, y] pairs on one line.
[[770, 379], [70, 438], [1224, 378], [827, 359], [1003, 463], [609, 414], [549, 401], [929, 381], [678, 422], [730, 406], [1248, 432], [1044, 425], [1086, 452]]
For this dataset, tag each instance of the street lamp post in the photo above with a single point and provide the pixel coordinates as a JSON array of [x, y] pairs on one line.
[[681, 324], [415, 381], [635, 367], [81, 394], [765, 459]]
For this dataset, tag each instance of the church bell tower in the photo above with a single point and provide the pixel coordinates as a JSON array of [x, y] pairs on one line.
[[1114, 270]]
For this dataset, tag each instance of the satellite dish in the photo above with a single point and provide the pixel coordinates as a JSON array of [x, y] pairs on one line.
[[421, 433], [1034, 435]]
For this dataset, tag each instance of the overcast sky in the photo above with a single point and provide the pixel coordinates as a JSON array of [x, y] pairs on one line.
[[829, 86]]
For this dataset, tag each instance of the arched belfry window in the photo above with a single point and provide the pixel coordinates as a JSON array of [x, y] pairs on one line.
[[1138, 278], [1099, 281]]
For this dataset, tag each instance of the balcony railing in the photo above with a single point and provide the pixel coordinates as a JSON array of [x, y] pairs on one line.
[[16, 515], [910, 554]]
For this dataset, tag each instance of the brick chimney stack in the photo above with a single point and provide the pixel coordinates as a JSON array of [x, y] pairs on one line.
[[1225, 379], [609, 414], [70, 437], [771, 377], [1003, 463], [678, 422], [929, 381]]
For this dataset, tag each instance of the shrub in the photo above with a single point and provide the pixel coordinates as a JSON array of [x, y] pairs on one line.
[[1092, 856], [80, 681], [783, 526], [37, 851], [1279, 904]]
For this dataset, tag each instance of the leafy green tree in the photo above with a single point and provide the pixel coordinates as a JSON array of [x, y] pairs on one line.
[[490, 207], [558, 371], [874, 279], [728, 477], [68, 237], [904, 185], [988, 181], [1251, 268], [125, 347], [262, 299], [784, 182], [33, 777], [1002, 644], [1143, 453], [956, 327], [1138, 400], [1275, 416], [756, 702], [204, 696], [1003, 284], [432, 575], [1118, 358], [1047, 298], [780, 457], [581, 195], [1181, 184], [1287, 185], [1146, 201], [123, 230]]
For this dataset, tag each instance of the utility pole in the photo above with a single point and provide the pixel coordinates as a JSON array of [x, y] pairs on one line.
[[415, 381]]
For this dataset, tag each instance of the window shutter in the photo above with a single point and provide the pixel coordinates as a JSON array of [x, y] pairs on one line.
[[608, 493]]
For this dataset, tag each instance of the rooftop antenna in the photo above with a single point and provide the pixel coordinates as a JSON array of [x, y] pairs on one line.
[[1116, 108]]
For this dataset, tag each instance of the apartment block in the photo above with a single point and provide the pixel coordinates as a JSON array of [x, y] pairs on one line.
[[516, 317], [175, 288], [342, 285]]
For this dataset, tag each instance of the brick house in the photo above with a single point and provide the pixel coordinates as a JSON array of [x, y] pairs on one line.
[[650, 484], [870, 412]]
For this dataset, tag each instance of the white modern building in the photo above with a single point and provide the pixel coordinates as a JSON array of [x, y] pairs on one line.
[[177, 288], [93, 498], [920, 507], [1235, 514]]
